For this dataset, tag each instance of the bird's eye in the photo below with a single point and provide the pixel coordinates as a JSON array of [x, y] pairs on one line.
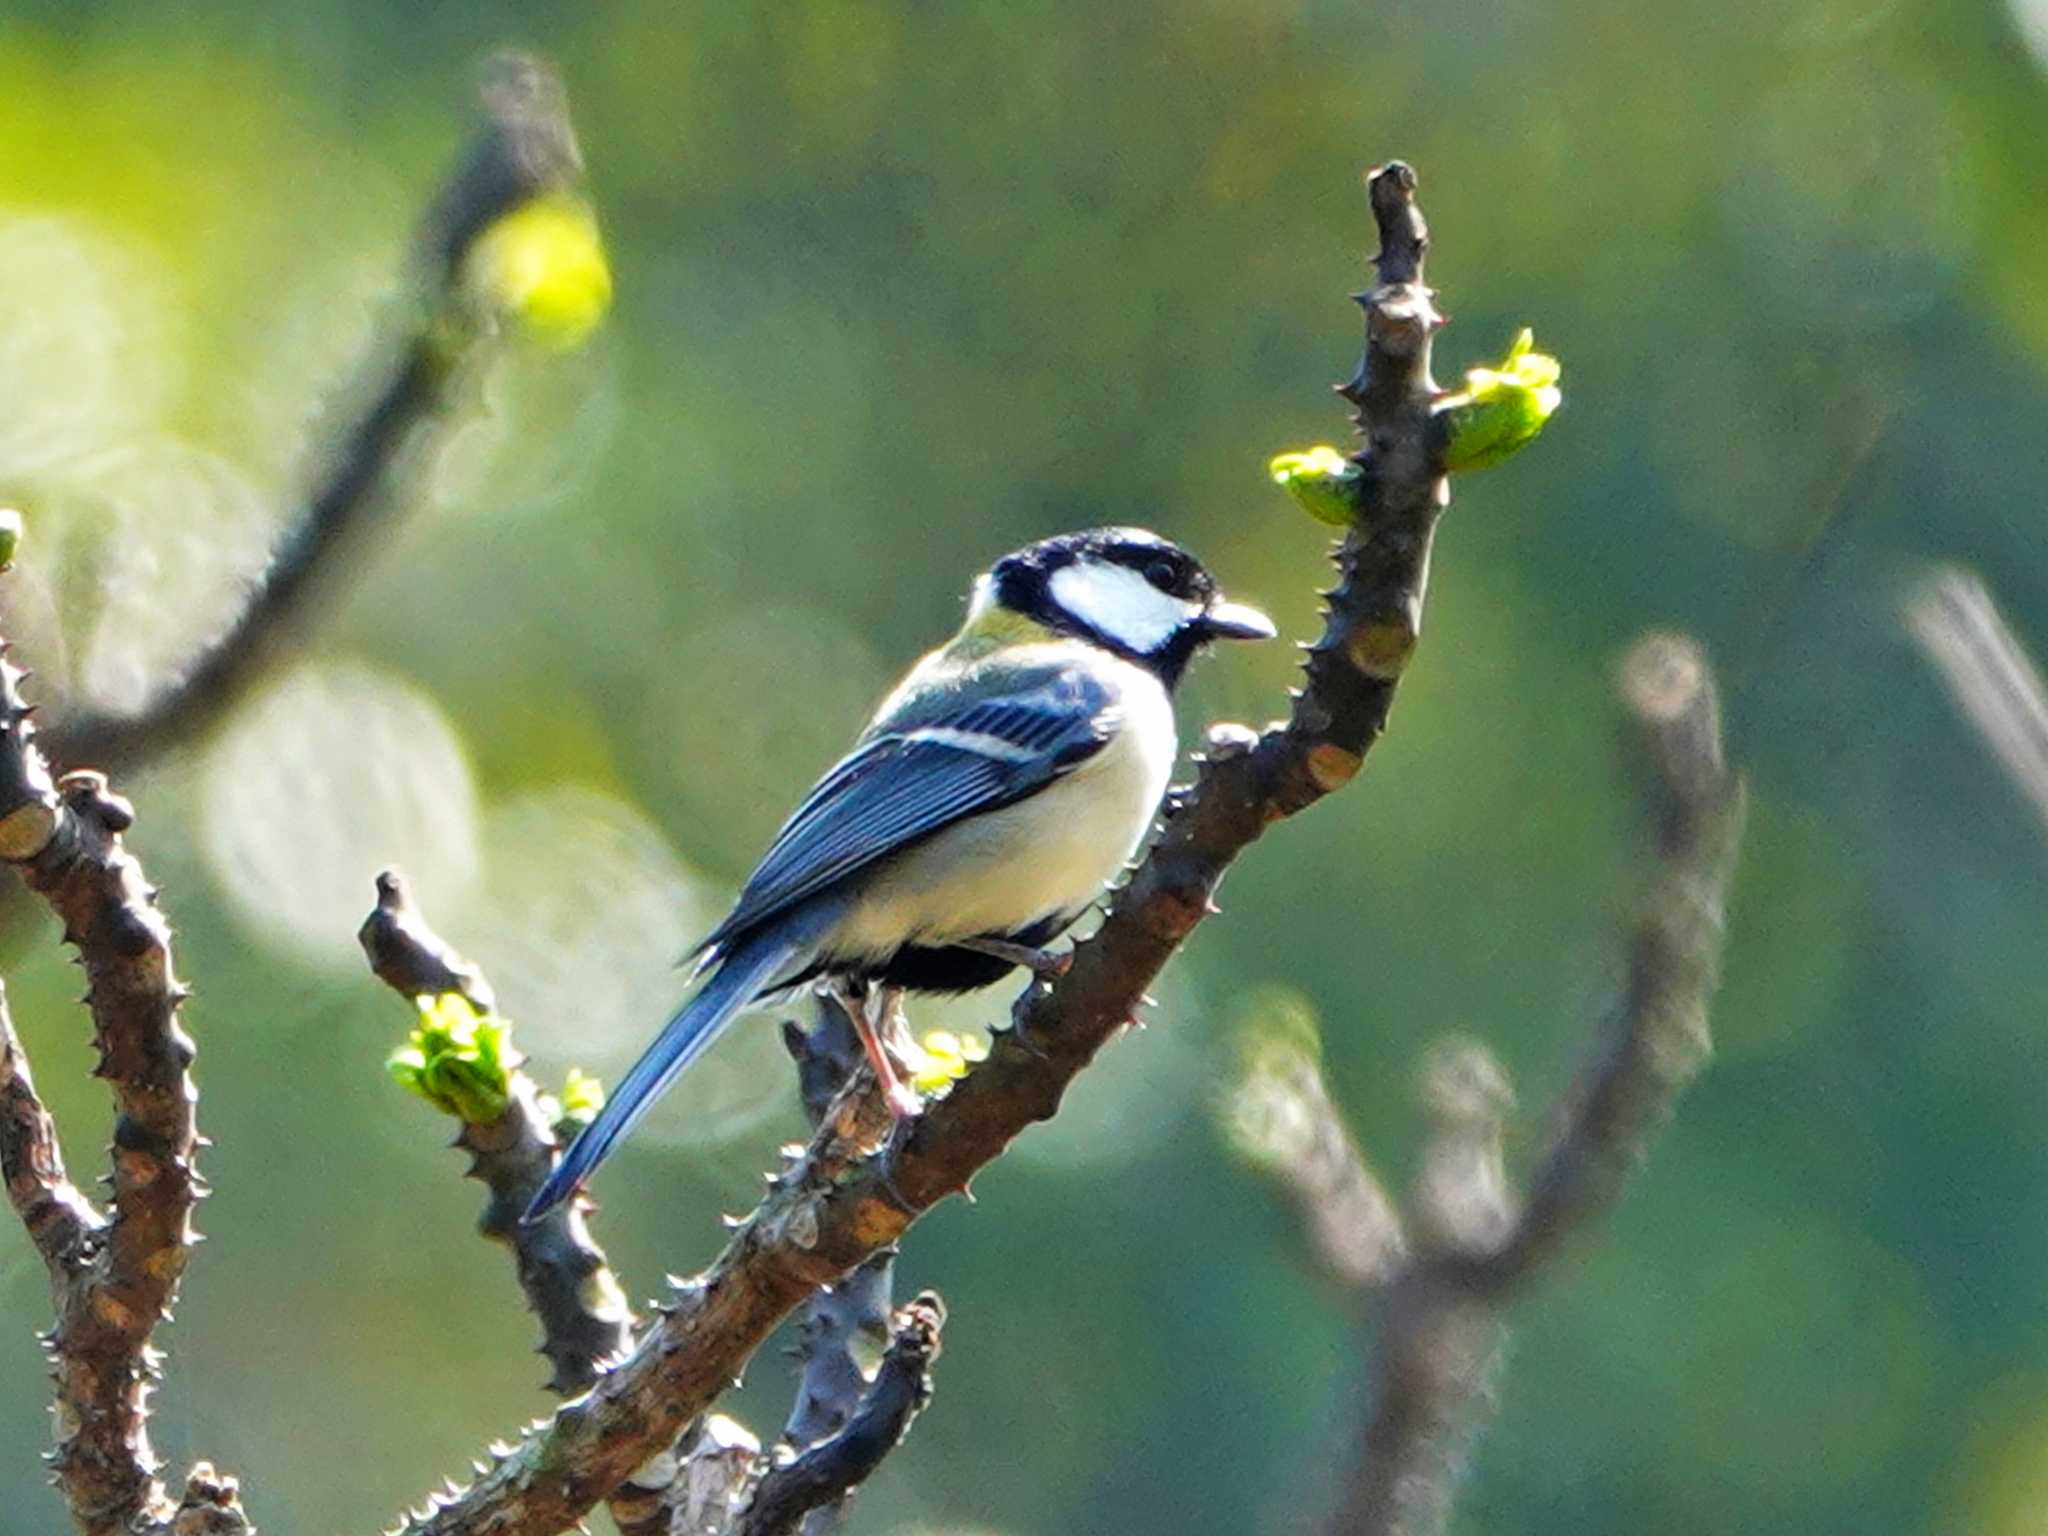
[[1161, 574]]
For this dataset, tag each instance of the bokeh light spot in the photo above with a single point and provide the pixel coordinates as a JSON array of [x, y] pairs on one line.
[[579, 918], [738, 767], [86, 350], [323, 780], [185, 532]]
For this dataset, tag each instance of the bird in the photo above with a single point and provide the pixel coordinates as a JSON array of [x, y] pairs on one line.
[[1007, 779]]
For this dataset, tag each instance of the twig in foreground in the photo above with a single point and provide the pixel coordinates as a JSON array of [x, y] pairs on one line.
[[585, 1321], [113, 1279], [60, 1221], [825, 1473], [857, 1306]]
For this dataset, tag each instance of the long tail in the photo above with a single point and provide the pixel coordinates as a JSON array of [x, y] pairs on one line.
[[742, 973]]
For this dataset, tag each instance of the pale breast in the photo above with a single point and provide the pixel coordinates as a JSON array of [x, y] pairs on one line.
[[1052, 853]]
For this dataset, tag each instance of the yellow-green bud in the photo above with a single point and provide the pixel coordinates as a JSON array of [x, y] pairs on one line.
[[543, 266], [1500, 409], [10, 535], [582, 1097], [947, 1056], [1323, 483], [458, 1060]]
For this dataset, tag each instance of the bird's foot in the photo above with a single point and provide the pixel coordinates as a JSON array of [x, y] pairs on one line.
[[1045, 964], [904, 1102], [871, 1013]]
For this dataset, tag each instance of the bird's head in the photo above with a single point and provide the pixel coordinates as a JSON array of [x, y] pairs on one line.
[[1125, 589]]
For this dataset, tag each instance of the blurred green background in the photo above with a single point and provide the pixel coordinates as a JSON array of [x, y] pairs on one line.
[[901, 285]]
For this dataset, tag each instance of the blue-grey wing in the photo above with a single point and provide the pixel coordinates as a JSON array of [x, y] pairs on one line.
[[902, 785]]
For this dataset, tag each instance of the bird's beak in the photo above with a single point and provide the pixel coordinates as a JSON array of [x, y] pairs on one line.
[[1236, 621]]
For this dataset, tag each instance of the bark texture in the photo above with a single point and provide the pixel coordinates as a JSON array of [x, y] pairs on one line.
[[112, 1277]]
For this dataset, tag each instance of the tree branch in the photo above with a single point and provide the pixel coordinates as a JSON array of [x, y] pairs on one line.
[[112, 1280], [585, 1321], [524, 146], [1656, 1038], [1440, 1318], [1439, 1342], [822, 1476], [1284, 1121], [839, 1206], [1989, 674], [693, 1487], [855, 1309], [705, 1483], [61, 1222]]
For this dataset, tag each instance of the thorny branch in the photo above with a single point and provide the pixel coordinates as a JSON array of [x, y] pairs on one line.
[[1467, 1243], [820, 1477], [855, 1309], [524, 146], [111, 1277], [585, 1321], [840, 1204], [704, 1480], [60, 1221]]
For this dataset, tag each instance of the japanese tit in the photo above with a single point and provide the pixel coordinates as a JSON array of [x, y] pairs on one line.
[[1008, 778]]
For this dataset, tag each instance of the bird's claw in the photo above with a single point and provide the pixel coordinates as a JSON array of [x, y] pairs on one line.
[[903, 1101], [1044, 964]]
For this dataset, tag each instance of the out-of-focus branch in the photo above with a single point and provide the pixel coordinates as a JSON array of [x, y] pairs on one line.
[[1438, 1347], [585, 1321], [1992, 678], [1281, 1117], [1439, 1342], [112, 1280], [524, 147], [1656, 1037], [840, 1205], [820, 1478]]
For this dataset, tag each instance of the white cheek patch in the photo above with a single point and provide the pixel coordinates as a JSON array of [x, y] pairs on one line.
[[1120, 603]]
